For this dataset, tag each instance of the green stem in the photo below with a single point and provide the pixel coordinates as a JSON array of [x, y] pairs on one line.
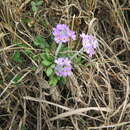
[[58, 49], [80, 51]]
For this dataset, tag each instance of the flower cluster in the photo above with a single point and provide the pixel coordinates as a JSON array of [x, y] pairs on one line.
[[90, 43], [63, 34], [63, 67]]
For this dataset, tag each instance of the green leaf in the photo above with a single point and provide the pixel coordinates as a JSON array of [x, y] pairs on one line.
[[62, 81], [40, 41], [22, 45], [1, 81], [77, 60], [39, 3], [23, 127], [28, 52], [33, 3], [17, 57], [43, 56], [53, 81], [46, 62], [34, 68], [34, 8], [48, 53], [49, 71], [47, 56], [53, 66]]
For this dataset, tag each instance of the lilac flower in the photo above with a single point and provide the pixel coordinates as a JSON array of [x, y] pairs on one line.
[[90, 43], [63, 67], [63, 34]]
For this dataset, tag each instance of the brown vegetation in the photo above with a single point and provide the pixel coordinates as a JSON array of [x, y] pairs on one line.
[[95, 97]]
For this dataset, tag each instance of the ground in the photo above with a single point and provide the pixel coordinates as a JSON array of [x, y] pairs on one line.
[[96, 96]]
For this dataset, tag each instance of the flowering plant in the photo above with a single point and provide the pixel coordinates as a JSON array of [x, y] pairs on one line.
[[57, 67], [63, 67], [63, 34], [90, 43]]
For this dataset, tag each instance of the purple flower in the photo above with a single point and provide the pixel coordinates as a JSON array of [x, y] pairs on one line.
[[63, 67], [90, 43], [63, 34]]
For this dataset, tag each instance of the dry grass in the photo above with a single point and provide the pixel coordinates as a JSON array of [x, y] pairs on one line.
[[96, 96]]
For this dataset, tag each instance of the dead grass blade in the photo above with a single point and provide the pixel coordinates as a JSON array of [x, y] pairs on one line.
[[80, 110], [109, 126], [44, 101]]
